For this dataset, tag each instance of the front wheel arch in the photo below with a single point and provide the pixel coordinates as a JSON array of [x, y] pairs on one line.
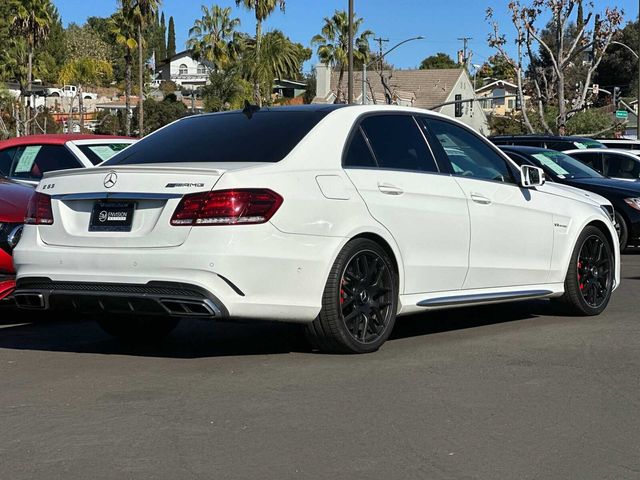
[[607, 233]]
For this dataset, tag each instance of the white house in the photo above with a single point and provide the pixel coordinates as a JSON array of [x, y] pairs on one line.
[[427, 89], [184, 70]]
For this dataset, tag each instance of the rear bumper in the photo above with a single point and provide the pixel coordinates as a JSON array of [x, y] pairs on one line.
[[154, 298], [252, 272]]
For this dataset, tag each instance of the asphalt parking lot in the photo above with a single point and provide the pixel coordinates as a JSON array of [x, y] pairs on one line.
[[511, 391]]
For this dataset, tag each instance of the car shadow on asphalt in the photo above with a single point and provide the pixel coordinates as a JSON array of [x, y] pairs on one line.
[[198, 339]]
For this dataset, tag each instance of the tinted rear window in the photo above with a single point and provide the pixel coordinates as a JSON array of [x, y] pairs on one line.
[[267, 137]]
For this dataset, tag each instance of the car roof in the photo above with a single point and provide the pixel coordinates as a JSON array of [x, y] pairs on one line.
[[618, 140], [540, 137], [54, 139], [601, 150], [523, 149]]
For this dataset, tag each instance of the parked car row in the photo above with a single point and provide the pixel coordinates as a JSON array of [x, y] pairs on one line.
[[337, 217]]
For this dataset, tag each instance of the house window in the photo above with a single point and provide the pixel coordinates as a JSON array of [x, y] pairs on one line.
[[202, 70], [183, 69], [512, 103]]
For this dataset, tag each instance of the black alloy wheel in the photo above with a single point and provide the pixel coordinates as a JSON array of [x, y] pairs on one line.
[[359, 302], [365, 296], [591, 274], [594, 271]]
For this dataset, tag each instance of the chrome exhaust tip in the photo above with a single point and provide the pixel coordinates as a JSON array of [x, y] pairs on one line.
[[31, 301], [190, 308]]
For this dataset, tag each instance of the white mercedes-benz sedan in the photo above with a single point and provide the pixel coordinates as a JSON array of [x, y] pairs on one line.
[[338, 217]]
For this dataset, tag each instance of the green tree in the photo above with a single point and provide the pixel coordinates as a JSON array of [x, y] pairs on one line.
[[143, 13], [437, 62], [161, 55], [84, 71], [171, 41], [333, 44], [31, 21], [619, 66], [499, 68], [159, 114], [261, 9], [212, 36], [124, 30], [227, 90], [85, 42], [52, 54]]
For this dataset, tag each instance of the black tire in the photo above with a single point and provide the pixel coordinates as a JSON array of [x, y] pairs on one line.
[[623, 233], [358, 311], [138, 329], [590, 275]]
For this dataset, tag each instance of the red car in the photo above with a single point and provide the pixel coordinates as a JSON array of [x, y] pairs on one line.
[[26, 159], [14, 199]]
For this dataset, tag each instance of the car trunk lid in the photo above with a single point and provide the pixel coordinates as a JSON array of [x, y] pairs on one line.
[[89, 201]]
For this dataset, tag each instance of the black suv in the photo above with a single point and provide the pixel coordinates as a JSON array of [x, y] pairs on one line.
[[547, 141]]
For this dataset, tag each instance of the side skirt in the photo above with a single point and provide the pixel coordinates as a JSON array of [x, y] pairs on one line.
[[483, 298]]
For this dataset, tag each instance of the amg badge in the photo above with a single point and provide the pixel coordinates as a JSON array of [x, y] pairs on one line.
[[184, 185]]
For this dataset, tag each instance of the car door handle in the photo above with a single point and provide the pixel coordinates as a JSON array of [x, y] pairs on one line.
[[390, 189], [480, 199]]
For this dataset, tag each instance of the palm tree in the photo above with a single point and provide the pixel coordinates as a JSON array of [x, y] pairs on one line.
[[279, 58], [262, 10], [212, 36], [124, 31], [82, 71], [31, 20], [333, 44], [142, 13]]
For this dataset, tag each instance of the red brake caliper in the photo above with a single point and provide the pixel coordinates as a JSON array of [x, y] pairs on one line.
[[579, 278]]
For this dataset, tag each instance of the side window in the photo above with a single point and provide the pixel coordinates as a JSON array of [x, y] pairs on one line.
[[398, 144], [467, 153], [621, 167], [531, 143], [559, 145], [591, 159], [358, 154], [33, 161], [6, 159]]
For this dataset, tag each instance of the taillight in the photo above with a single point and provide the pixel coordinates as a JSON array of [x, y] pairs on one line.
[[39, 211], [227, 207]]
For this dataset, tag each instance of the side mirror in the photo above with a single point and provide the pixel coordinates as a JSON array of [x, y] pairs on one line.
[[531, 176]]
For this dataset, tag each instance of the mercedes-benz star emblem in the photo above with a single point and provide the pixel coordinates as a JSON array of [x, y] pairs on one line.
[[110, 180]]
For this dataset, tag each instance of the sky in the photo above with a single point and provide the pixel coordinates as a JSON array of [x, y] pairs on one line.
[[441, 22]]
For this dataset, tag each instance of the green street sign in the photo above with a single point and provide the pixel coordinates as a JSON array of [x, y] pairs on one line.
[[622, 114]]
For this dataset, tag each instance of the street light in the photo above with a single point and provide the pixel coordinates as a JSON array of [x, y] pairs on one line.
[[365, 65], [638, 101]]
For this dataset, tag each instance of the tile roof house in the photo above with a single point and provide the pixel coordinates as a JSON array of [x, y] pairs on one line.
[[499, 106], [415, 88]]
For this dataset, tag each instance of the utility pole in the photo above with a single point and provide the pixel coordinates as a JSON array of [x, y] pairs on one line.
[[465, 43], [381, 41], [638, 102], [350, 83]]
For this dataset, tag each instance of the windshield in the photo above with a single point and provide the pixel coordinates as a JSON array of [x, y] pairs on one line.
[[98, 153], [562, 166], [266, 136]]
